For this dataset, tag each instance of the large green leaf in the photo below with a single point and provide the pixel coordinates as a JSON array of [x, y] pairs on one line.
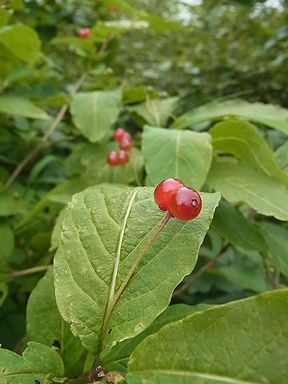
[[38, 362], [117, 359], [46, 326], [241, 139], [94, 113], [236, 229], [172, 153], [19, 106], [243, 342], [102, 287], [22, 41], [241, 183], [154, 111], [271, 115], [277, 240]]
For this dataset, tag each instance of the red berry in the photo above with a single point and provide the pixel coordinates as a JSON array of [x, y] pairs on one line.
[[125, 144], [185, 204], [119, 134], [127, 136], [84, 33], [123, 157], [164, 191], [113, 159]]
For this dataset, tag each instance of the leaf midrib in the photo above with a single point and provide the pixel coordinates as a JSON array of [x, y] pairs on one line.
[[111, 294]]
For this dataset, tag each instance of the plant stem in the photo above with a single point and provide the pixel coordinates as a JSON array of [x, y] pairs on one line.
[[132, 270], [29, 271], [197, 275], [60, 115], [162, 224]]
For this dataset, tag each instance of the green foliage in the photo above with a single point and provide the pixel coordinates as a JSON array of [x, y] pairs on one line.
[[240, 328], [171, 153], [89, 252], [88, 263]]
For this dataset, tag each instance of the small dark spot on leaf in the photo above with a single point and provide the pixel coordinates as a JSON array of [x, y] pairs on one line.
[[109, 330]]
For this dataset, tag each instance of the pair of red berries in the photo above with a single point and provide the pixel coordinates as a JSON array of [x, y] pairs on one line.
[[181, 202], [84, 33], [125, 144]]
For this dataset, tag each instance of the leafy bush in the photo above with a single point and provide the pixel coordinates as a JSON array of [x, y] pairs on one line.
[[95, 283]]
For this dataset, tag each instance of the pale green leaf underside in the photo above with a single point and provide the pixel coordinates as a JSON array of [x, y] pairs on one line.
[[241, 139], [241, 183], [184, 155], [13, 105], [156, 112], [38, 362], [94, 113], [270, 115], [103, 231], [243, 342]]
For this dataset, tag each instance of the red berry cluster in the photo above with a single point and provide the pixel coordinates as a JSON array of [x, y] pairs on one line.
[[84, 33], [125, 144], [181, 202]]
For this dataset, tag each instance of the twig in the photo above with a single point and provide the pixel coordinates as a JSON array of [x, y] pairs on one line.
[[30, 156], [29, 271], [197, 275]]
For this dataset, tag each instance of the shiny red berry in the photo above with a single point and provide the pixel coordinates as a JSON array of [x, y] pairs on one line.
[[113, 159], [164, 191], [119, 134], [125, 143], [185, 204], [123, 157], [84, 33]]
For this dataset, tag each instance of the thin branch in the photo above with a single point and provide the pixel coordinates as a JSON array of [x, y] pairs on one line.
[[29, 271], [60, 115], [197, 275]]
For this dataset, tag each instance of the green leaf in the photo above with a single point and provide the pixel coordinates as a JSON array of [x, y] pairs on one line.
[[38, 362], [236, 229], [94, 113], [243, 342], [171, 153], [117, 359], [270, 115], [154, 111], [4, 17], [277, 240], [102, 287], [281, 156], [19, 106], [246, 272], [46, 326], [240, 183], [22, 41], [241, 139], [9, 204]]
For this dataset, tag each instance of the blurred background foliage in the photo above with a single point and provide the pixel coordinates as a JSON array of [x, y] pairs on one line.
[[179, 52]]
